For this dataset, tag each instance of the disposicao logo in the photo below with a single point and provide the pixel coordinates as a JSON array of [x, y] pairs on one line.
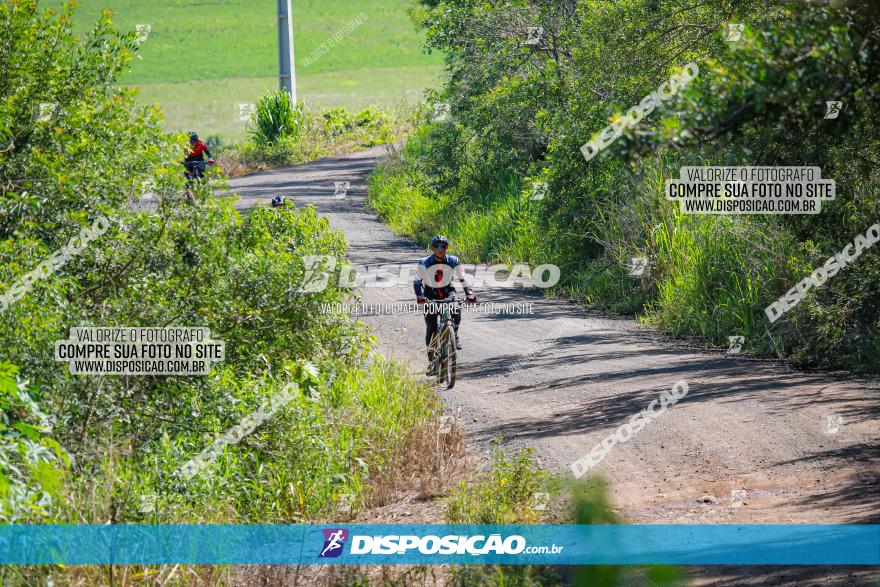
[[334, 540], [473, 545]]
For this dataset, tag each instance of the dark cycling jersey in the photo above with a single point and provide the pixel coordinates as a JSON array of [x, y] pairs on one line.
[[424, 278], [197, 150]]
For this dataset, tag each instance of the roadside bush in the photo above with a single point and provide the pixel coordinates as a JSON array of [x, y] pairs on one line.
[[337, 121], [183, 258], [506, 495], [320, 134], [501, 226], [515, 491], [276, 117], [32, 464]]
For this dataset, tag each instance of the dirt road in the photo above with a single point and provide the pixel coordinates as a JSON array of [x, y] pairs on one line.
[[752, 442]]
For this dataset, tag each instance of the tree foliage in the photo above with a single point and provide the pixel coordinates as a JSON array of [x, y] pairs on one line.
[[173, 255]]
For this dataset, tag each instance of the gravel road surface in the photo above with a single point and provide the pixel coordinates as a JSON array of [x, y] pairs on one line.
[[752, 442]]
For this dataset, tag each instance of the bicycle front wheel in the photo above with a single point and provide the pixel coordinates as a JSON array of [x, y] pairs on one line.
[[449, 364]]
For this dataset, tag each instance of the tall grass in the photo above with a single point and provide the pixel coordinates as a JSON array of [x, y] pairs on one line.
[[341, 432], [707, 273], [709, 276], [276, 117], [503, 226]]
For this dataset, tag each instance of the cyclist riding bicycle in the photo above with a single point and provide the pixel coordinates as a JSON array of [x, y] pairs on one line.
[[441, 290], [195, 160]]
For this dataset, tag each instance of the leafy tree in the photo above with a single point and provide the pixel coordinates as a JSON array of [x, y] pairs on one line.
[[173, 255]]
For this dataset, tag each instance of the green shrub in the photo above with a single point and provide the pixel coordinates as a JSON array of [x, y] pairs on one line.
[[185, 261], [344, 427], [32, 465], [502, 226], [321, 134], [276, 117], [506, 495], [337, 121]]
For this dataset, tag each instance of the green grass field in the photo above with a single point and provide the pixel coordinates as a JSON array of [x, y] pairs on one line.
[[204, 58]]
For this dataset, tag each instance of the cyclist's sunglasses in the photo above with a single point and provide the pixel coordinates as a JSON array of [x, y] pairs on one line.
[[441, 247]]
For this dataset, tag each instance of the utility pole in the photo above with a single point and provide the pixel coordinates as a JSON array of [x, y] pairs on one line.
[[286, 64]]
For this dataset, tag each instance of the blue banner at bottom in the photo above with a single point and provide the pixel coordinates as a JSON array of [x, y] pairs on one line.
[[368, 544]]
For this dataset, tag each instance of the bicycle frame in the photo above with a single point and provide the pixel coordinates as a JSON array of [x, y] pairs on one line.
[[444, 344], [195, 169]]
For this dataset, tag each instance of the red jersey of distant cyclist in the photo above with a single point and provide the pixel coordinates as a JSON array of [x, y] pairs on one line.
[[197, 150]]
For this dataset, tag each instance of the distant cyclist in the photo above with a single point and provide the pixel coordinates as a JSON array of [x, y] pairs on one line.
[[429, 289], [279, 201], [195, 160]]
